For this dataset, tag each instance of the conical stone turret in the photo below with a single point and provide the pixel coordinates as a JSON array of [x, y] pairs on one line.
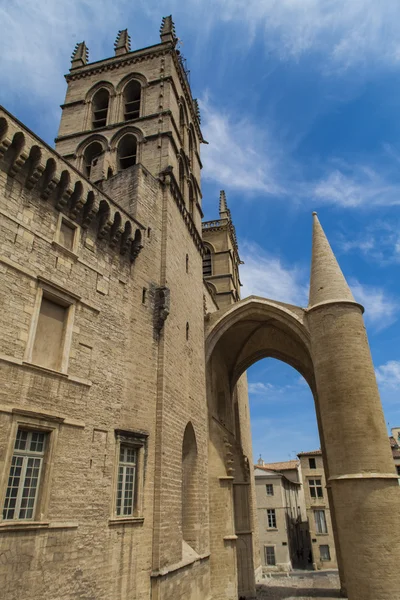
[[327, 282]]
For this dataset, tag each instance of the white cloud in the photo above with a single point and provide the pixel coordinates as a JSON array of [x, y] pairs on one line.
[[260, 388], [388, 375], [380, 308], [265, 275], [360, 186], [239, 154]]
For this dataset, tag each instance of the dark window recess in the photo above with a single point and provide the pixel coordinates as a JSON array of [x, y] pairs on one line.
[[312, 463], [91, 156], [100, 108], [207, 266], [132, 101], [127, 151]]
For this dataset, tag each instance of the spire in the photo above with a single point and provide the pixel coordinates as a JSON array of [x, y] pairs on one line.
[[122, 44], [80, 56], [167, 30], [327, 282], [224, 212]]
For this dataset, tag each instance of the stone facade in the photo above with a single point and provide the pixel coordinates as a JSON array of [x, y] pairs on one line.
[[125, 448], [318, 510], [282, 522]]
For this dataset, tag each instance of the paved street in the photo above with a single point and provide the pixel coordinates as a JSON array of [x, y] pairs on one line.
[[300, 586]]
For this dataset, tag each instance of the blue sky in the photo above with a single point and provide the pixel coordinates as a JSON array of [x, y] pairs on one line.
[[300, 106]]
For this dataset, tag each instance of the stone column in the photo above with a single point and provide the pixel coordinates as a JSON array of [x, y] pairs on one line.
[[364, 486]]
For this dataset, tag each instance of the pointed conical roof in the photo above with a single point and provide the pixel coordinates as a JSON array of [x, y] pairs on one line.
[[122, 44], [223, 206], [327, 282]]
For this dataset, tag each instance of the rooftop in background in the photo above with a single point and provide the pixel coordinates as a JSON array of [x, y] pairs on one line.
[[312, 452], [278, 466]]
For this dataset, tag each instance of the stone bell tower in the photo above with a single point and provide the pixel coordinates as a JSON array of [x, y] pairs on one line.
[[221, 259], [134, 108]]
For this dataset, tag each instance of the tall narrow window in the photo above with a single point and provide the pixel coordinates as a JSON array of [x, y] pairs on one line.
[[191, 148], [132, 93], [320, 521], [271, 518], [269, 555], [126, 489], [49, 337], [100, 104], [25, 475], [181, 173], [127, 151], [90, 157], [190, 507], [191, 201], [207, 264], [182, 124], [269, 489], [311, 463], [315, 488]]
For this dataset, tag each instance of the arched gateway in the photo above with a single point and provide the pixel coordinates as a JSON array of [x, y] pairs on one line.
[[327, 344]]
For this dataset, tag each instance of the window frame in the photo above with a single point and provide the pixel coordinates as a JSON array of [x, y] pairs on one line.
[[271, 518], [57, 237], [312, 463], [269, 489], [50, 429], [269, 564], [64, 299], [321, 526], [138, 441], [314, 487], [328, 555]]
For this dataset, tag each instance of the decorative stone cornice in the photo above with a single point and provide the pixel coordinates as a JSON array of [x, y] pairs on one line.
[[34, 164], [168, 179], [221, 225]]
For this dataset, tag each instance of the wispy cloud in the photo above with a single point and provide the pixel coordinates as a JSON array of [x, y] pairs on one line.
[[379, 242], [380, 308], [240, 155], [266, 275], [388, 375]]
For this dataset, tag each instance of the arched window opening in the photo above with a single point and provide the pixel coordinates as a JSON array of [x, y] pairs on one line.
[[207, 262], [127, 150], [182, 123], [187, 331], [109, 172], [191, 154], [91, 156], [190, 528], [132, 100], [191, 201], [100, 104], [181, 173]]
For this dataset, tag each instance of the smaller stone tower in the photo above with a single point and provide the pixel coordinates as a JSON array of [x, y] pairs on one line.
[[221, 259]]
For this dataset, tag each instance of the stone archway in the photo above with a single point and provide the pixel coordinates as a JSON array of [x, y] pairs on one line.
[[327, 344]]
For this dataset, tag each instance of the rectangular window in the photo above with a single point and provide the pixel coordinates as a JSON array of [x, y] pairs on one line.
[[25, 475], [67, 234], [269, 555], [398, 469], [270, 489], [315, 488], [324, 552], [126, 487], [320, 521], [312, 463], [49, 336], [271, 518]]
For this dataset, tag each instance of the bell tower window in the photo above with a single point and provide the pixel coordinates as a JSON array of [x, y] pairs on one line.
[[127, 150], [132, 100], [100, 104], [207, 264], [91, 156]]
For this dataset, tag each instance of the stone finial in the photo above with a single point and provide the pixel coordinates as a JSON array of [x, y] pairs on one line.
[[167, 30], [122, 43], [327, 282], [197, 109], [224, 212], [80, 56]]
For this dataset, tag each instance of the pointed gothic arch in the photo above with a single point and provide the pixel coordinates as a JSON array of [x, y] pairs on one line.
[[190, 508]]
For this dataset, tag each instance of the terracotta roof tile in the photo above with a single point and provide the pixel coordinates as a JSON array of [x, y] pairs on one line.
[[279, 466], [311, 452]]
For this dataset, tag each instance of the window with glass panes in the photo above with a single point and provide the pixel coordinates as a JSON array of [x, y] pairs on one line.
[[320, 521], [271, 518], [25, 475], [324, 552], [315, 488], [270, 489], [126, 488], [269, 553]]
